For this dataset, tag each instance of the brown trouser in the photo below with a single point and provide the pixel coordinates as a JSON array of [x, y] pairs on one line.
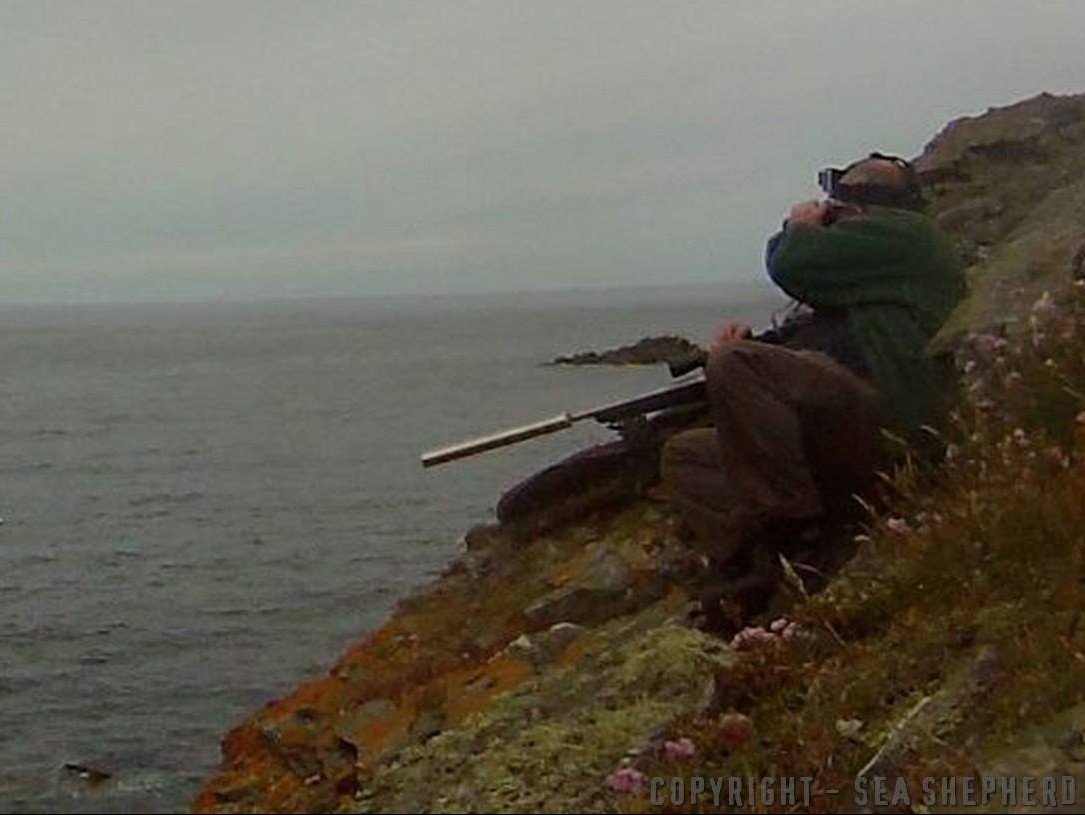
[[795, 434]]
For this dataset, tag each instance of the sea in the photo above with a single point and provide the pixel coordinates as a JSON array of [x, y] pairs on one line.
[[204, 504]]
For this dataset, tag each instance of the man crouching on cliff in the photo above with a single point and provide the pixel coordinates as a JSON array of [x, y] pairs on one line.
[[798, 411]]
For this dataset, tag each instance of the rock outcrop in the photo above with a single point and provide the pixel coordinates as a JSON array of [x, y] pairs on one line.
[[537, 665], [1010, 185], [648, 351]]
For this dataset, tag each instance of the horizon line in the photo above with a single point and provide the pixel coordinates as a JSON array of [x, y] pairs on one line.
[[256, 299]]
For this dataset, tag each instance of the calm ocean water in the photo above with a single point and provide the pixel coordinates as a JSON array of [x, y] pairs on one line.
[[205, 504]]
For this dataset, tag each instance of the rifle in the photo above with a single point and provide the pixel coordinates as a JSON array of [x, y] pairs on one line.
[[629, 416]]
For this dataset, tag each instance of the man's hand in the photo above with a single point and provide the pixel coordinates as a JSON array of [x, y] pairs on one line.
[[728, 332], [808, 213]]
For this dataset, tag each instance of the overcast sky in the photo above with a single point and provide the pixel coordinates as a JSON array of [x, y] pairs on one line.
[[160, 150]]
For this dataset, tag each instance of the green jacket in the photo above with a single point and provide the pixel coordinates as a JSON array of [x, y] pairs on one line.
[[897, 277]]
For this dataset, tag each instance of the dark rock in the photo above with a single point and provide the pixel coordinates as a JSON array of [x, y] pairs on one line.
[[648, 351], [90, 775], [580, 604]]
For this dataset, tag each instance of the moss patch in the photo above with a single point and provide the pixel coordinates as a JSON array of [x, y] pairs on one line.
[[550, 744]]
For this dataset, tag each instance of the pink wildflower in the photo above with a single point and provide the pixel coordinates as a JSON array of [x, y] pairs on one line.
[[898, 525], [751, 637], [988, 343], [626, 779], [777, 632], [680, 749]]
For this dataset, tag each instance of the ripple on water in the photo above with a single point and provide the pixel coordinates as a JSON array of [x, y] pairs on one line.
[[171, 498]]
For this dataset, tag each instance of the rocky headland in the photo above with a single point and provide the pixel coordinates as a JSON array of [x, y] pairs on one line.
[[646, 351], [556, 671]]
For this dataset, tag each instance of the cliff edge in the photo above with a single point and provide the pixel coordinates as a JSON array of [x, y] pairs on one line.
[[557, 671]]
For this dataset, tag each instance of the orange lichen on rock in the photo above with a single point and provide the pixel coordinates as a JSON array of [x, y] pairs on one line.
[[444, 656], [470, 692]]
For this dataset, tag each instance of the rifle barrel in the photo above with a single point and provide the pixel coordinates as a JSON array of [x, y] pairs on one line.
[[505, 437], [671, 395]]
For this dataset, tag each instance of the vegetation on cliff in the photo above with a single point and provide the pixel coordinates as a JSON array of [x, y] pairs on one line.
[[556, 671], [959, 625]]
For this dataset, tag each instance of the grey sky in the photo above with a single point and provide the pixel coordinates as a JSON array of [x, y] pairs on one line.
[[155, 150]]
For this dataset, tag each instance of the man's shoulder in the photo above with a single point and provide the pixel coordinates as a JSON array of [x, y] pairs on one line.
[[899, 218], [910, 226]]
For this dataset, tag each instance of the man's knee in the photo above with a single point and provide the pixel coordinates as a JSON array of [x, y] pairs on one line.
[[735, 369], [732, 360], [692, 474], [697, 447]]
